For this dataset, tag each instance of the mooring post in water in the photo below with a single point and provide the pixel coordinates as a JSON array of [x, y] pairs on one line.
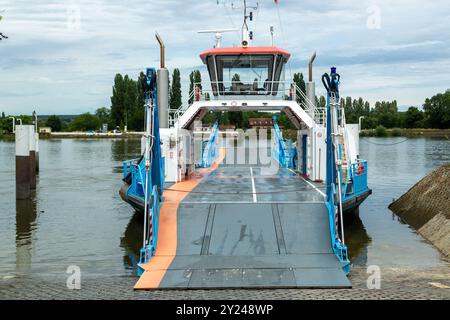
[[23, 188], [36, 136], [37, 152], [32, 142]]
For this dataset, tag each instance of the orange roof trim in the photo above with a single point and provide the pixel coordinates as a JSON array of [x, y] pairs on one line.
[[244, 50]]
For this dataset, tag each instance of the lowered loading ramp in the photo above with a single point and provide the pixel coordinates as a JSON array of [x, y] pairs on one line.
[[239, 228]]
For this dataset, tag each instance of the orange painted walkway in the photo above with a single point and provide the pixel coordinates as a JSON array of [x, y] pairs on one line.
[[166, 248]]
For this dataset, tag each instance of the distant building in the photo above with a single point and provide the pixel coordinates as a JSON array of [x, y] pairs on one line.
[[45, 130], [260, 123], [227, 127]]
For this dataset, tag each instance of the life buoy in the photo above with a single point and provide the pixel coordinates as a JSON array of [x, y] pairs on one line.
[[360, 169]]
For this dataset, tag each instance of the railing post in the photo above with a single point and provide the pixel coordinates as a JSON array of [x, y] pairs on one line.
[[32, 143]]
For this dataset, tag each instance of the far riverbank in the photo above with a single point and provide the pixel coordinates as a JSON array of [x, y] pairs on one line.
[[397, 132], [288, 133]]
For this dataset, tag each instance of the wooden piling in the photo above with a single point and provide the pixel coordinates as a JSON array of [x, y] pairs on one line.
[[37, 152], [32, 157], [23, 187]]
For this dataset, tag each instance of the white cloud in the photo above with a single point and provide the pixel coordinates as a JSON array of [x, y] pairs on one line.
[[57, 66]]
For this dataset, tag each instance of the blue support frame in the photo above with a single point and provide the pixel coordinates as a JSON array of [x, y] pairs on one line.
[[136, 168], [282, 151], [211, 152], [339, 249]]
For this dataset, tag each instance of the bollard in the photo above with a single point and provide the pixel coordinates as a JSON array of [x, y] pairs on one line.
[[32, 157], [23, 189], [37, 152]]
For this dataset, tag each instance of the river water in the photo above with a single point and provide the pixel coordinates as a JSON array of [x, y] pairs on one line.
[[77, 217]]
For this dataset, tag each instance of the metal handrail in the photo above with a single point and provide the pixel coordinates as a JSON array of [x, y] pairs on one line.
[[287, 90], [316, 112]]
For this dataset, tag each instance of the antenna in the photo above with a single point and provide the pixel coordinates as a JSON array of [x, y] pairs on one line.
[[272, 29], [218, 35], [247, 35]]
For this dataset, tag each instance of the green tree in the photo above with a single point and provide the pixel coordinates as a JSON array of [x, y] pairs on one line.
[[437, 109], [85, 122], [175, 99], [137, 116], [103, 114], [321, 102], [130, 101], [195, 77], [118, 101], [380, 131], [5, 124], [223, 118], [300, 82], [127, 102], [387, 113], [55, 123], [284, 122], [413, 118]]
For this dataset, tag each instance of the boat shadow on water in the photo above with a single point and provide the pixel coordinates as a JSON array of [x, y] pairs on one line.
[[131, 242], [357, 240]]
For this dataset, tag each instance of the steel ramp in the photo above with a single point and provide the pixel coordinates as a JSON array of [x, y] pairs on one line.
[[281, 240]]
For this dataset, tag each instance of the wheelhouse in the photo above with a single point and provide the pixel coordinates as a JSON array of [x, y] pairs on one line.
[[245, 70]]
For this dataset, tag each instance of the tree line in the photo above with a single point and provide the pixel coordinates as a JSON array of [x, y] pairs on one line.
[[128, 99]]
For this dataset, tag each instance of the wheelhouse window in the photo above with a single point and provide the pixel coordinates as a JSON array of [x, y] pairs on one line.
[[242, 74]]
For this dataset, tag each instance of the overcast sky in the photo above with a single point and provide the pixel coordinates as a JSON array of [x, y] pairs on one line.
[[61, 56]]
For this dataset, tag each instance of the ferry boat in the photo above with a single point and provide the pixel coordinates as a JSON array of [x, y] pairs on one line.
[[210, 222]]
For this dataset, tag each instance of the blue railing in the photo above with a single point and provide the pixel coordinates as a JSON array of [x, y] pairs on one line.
[[356, 182], [210, 151], [149, 250], [283, 151], [359, 177]]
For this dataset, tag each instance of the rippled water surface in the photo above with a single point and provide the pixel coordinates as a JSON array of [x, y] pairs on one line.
[[77, 217]]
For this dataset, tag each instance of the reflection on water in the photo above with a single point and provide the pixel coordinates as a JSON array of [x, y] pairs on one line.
[[121, 148], [26, 216], [84, 222], [131, 242], [357, 241]]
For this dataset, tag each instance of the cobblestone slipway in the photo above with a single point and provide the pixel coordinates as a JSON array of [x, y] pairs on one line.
[[396, 283]]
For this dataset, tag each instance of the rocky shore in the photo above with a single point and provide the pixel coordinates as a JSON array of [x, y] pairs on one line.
[[426, 207]]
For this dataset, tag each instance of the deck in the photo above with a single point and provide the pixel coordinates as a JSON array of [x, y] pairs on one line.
[[239, 227]]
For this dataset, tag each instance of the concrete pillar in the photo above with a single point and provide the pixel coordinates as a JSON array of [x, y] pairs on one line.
[[162, 88], [32, 157], [23, 189]]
